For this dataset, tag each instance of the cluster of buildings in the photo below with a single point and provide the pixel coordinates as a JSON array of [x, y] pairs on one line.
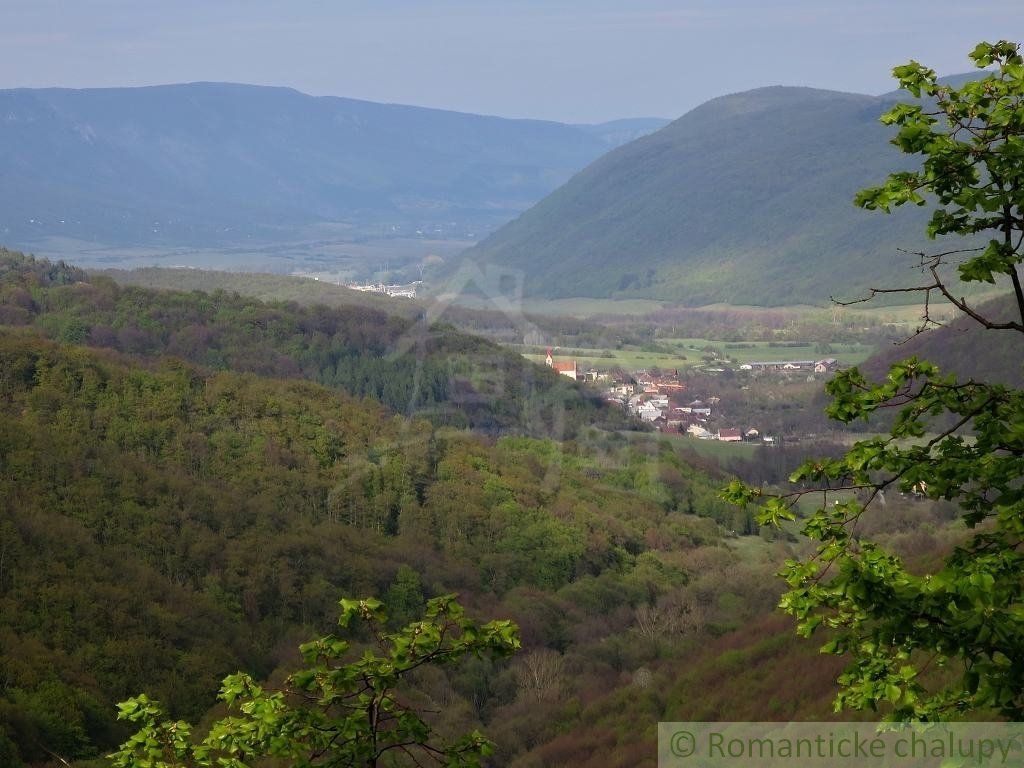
[[404, 291], [672, 412], [570, 369], [663, 402], [659, 400], [828, 365]]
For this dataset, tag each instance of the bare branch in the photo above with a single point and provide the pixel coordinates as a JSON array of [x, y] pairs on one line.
[[932, 262]]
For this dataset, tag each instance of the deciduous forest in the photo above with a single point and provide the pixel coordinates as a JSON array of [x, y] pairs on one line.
[[167, 523]]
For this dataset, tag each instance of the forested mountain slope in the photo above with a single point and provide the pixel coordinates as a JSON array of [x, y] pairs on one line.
[[747, 199], [965, 348], [410, 367], [164, 523], [162, 527], [263, 286], [204, 163]]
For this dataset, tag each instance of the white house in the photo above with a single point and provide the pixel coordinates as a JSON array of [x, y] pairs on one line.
[[648, 411]]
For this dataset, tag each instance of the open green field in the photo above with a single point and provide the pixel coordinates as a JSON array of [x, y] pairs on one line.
[[684, 353], [618, 358], [714, 449], [866, 320], [753, 351], [585, 307], [266, 287], [580, 307], [910, 315], [329, 252]]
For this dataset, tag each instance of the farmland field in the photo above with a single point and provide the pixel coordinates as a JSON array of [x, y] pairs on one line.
[[715, 449], [629, 359], [688, 353], [578, 307], [753, 351]]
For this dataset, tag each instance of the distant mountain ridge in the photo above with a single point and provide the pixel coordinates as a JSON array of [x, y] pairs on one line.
[[746, 199], [618, 132], [204, 162]]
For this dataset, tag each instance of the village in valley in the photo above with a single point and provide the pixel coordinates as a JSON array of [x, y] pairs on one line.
[[394, 291], [663, 398]]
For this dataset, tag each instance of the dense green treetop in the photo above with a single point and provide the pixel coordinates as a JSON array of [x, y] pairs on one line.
[[945, 638], [342, 710]]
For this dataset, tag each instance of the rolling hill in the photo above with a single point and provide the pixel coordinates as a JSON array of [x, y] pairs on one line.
[[206, 163], [265, 287], [179, 503], [411, 365], [745, 200]]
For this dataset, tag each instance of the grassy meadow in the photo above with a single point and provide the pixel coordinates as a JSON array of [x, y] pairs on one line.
[[688, 353], [713, 449]]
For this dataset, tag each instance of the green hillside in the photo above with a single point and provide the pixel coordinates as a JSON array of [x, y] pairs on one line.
[[410, 366], [965, 348], [265, 287], [745, 200], [164, 523], [162, 527]]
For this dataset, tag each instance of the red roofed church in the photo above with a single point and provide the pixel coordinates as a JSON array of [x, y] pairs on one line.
[[566, 369]]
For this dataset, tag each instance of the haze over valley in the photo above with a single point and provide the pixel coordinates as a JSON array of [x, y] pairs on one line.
[[246, 177], [740, 201]]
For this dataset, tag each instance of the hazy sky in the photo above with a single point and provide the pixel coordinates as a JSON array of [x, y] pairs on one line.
[[571, 60]]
